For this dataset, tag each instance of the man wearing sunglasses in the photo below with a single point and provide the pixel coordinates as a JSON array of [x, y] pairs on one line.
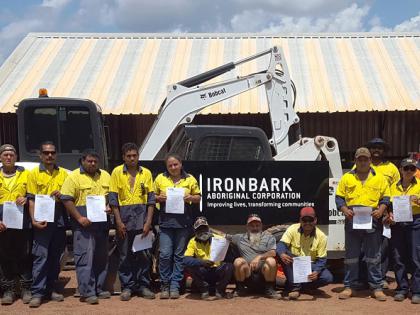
[[405, 241], [304, 239], [49, 237]]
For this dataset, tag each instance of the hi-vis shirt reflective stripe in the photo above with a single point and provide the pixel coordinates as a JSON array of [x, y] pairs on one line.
[[41, 182], [15, 188], [120, 184], [78, 185], [369, 194], [163, 181], [412, 190]]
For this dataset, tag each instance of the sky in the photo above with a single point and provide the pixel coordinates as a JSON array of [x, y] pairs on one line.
[[20, 17]]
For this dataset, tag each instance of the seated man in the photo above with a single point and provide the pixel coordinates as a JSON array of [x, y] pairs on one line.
[[205, 272], [304, 239], [256, 268]]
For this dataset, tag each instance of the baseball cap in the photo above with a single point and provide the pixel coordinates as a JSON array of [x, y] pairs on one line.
[[253, 217], [200, 221], [307, 212], [377, 141], [408, 161], [362, 152], [7, 147]]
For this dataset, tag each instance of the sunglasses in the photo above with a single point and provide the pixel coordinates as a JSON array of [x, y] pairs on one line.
[[308, 219], [410, 168], [49, 152]]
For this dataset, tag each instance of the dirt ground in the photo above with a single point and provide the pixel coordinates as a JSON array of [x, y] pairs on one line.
[[323, 302]]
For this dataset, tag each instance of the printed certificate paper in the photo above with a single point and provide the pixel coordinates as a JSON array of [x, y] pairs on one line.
[[362, 219], [175, 200], [12, 215], [44, 208], [218, 249], [402, 210], [95, 208], [301, 269], [140, 243]]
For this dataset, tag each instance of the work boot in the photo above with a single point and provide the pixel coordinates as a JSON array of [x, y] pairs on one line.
[[35, 302], [8, 298], [125, 295], [399, 297], [345, 294], [224, 295], [104, 295], [147, 293], [174, 294], [415, 299], [293, 295], [26, 296], [92, 300], [269, 291], [385, 284], [379, 295], [164, 292], [205, 295], [240, 289], [57, 297]]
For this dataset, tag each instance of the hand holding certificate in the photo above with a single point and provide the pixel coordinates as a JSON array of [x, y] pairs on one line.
[[402, 209], [175, 200], [44, 208], [218, 249], [95, 208], [301, 269], [12, 215], [362, 219]]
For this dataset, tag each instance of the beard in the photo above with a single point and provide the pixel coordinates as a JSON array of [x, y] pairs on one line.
[[255, 238]]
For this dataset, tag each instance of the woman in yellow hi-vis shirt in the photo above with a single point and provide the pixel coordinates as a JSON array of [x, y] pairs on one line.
[[175, 221], [405, 240]]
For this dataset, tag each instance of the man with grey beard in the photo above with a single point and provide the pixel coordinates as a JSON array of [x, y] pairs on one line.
[[256, 267]]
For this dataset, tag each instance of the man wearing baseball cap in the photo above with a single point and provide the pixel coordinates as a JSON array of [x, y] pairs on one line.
[[304, 239], [363, 187], [256, 267], [15, 244], [206, 273]]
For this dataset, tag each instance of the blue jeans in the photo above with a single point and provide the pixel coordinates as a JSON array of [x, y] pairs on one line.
[[370, 241], [172, 244], [48, 247], [324, 278], [134, 268], [405, 243]]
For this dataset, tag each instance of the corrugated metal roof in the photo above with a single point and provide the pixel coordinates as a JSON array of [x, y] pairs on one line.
[[129, 73]]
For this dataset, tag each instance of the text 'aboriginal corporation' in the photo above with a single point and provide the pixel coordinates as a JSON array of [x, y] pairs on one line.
[[252, 192]]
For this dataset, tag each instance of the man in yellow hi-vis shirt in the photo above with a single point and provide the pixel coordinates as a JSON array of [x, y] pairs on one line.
[[49, 238], [132, 199], [363, 187], [15, 244], [81, 194]]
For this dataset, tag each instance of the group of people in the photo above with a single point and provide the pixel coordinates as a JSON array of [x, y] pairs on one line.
[[32, 254]]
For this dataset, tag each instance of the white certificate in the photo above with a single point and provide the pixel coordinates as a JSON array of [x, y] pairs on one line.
[[218, 249], [175, 200], [301, 269], [386, 231], [362, 219], [402, 210], [95, 208], [12, 215], [140, 243], [44, 208]]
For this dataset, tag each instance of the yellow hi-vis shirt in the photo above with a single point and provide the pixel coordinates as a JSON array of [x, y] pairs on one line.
[[200, 250], [369, 193], [42, 182], [389, 170], [13, 187], [412, 190], [314, 245], [78, 185], [120, 184]]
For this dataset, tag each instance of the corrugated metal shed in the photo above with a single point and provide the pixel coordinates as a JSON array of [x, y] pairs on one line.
[[128, 73]]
